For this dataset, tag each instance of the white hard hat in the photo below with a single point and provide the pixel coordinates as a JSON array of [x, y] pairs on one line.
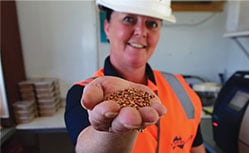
[[154, 8]]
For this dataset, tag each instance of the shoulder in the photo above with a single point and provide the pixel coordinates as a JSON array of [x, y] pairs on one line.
[[75, 91], [74, 95], [75, 113]]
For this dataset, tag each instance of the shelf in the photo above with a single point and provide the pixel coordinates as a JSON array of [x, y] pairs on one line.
[[204, 6], [236, 34]]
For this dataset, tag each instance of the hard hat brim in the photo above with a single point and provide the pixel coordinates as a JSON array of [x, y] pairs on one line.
[[154, 9]]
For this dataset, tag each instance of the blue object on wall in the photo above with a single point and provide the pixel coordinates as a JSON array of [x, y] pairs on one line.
[[103, 37]]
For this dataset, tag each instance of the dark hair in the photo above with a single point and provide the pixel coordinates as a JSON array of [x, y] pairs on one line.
[[108, 12], [108, 15]]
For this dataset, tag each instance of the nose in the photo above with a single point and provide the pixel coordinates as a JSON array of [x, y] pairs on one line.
[[140, 29]]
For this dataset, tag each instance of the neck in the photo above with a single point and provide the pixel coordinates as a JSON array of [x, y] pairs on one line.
[[133, 74]]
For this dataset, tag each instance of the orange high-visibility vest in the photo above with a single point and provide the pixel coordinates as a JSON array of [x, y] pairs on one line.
[[178, 127]]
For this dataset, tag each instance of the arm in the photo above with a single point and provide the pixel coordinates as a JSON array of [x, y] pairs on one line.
[[91, 140], [113, 129], [197, 146], [198, 149], [76, 114]]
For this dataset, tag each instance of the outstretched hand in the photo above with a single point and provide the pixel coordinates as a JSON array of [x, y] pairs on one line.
[[107, 115]]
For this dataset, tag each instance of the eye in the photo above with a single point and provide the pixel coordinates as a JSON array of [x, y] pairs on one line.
[[129, 19], [151, 24]]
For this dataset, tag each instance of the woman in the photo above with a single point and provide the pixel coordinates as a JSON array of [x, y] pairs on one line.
[[133, 30]]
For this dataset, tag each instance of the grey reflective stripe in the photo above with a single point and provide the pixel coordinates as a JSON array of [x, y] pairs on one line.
[[181, 94]]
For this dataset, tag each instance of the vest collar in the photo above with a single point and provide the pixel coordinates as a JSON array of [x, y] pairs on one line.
[[109, 70]]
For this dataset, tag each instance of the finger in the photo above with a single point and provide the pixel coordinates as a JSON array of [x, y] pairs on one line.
[[102, 115], [128, 118], [149, 116], [160, 108]]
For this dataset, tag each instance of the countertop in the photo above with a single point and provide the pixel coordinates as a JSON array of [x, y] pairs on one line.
[[55, 122]]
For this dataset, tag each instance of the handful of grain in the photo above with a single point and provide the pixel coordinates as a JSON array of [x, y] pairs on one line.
[[131, 97]]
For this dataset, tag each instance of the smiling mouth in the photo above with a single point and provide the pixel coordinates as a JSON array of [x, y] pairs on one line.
[[136, 45]]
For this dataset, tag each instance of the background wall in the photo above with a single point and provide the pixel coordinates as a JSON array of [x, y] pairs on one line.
[[236, 59], [61, 39], [195, 46]]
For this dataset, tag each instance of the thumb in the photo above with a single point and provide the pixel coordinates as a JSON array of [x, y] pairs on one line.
[[92, 94], [95, 92]]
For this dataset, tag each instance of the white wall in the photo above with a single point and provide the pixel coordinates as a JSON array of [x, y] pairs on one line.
[[190, 48], [58, 39], [4, 111], [61, 39], [236, 57], [237, 24]]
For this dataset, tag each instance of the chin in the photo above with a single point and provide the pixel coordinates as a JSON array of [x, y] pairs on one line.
[[137, 62]]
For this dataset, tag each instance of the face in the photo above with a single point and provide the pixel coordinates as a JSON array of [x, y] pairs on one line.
[[133, 38]]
